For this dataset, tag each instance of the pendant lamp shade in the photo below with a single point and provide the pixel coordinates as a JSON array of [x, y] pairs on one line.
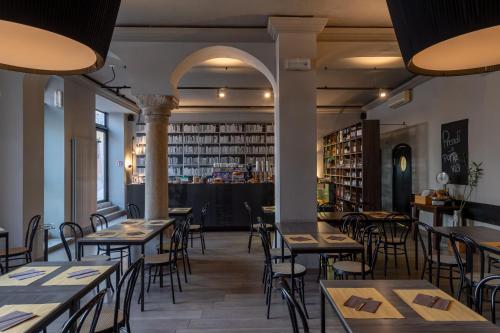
[[56, 36], [448, 37]]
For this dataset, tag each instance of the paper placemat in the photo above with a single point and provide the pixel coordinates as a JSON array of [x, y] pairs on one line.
[[104, 234], [385, 311], [156, 222], [133, 222], [456, 311], [337, 239], [300, 239], [63, 280], [491, 244], [135, 233], [5, 281], [41, 310]]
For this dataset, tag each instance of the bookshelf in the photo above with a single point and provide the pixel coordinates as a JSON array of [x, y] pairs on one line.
[[352, 165], [193, 148]]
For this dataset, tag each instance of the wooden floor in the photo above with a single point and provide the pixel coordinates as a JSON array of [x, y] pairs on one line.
[[224, 293]]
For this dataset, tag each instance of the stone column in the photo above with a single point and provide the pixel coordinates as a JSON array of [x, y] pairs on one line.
[[156, 110], [295, 117]]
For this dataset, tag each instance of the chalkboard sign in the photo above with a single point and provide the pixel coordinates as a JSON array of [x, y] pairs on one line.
[[455, 150]]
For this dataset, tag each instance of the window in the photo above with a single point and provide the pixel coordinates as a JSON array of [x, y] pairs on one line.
[[102, 155]]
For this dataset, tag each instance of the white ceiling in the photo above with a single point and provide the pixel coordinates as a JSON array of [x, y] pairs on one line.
[[350, 70]]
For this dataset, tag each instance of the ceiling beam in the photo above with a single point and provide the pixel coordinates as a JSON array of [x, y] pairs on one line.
[[270, 88]]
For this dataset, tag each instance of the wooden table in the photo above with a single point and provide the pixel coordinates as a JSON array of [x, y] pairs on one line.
[[269, 210], [5, 235], [316, 230], [479, 234], [412, 321], [437, 212], [180, 211], [68, 297], [121, 238], [336, 217]]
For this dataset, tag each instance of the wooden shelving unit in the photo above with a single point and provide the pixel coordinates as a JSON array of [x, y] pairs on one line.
[[352, 163], [193, 148]]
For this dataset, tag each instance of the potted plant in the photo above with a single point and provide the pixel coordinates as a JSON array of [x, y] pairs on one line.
[[475, 173]]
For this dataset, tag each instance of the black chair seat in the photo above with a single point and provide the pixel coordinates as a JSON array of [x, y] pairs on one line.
[[350, 267], [276, 253], [97, 257], [106, 319], [157, 259], [16, 251], [285, 270]]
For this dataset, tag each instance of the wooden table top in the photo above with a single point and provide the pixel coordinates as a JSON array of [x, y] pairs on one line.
[[318, 230], [180, 211], [479, 234], [336, 217], [121, 232], [3, 232], [65, 296], [412, 321], [434, 208]]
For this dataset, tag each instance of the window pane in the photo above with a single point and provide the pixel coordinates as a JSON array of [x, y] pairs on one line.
[[101, 165], [100, 118]]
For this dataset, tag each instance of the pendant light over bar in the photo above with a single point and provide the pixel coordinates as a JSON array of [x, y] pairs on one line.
[[448, 37], [56, 36]]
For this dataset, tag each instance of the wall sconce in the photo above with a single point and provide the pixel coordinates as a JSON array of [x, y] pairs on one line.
[[221, 93]]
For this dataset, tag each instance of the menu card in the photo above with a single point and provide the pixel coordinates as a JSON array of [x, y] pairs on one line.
[[26, 274], [434, 302], [362, 304], [14, 318]]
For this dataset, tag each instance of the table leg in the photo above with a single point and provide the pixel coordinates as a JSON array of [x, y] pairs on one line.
[[323, 329], [7, 254], [142, 279], [46, 244], [161, 266], [79, 252], [292, 275], [363, 273], [437, 221]]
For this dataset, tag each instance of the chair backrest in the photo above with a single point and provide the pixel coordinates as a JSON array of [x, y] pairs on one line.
[[373, 240], [249, 213], [203, 217], [478, 296], [396, 227], [263, 225], [293, 308], [72, 230], [426, 243], [352, 224], [266, 246], [79, 317], [176, 242], [128, 280], [465, 259], [31, 232], [98, 222], [185, 226], [133, 211]]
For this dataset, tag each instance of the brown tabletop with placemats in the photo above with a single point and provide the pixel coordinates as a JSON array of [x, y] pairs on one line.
[[131, 232], [397, 311], [315, 237], [336, 217], [50, 291], [180, 211]]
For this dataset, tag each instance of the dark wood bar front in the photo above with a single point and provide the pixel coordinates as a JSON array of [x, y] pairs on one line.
[[226, 201]]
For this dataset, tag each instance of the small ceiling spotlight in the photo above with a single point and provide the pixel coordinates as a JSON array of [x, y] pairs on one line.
[[221, 93], [382, 93], [267, 94]]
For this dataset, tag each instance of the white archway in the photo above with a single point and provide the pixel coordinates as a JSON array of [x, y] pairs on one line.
[[212, 52]]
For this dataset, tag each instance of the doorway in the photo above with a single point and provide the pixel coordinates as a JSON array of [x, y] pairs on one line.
[[401, 178]]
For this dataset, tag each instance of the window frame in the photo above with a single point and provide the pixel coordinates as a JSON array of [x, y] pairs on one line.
[[104, 129]]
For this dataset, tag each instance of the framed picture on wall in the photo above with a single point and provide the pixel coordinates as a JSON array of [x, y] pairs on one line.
[[455, 151]]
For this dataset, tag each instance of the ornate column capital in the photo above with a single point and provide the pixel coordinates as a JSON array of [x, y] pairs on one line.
[[292, 24], [157, 107]]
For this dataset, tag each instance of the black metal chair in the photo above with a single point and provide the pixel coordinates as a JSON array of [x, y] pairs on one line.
[[168, 259], [197, 231], [436, 260], [133, 211], [293, 308], [469, 278], [395, 229], [372, 239], [253, 227], [478, 295], [23, 253], [78, 321], [100, 222], [351, 225], [276, 271], [116, 316]]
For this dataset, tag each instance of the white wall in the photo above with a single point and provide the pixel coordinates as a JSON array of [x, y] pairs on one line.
[[117, 152], [443, 100]]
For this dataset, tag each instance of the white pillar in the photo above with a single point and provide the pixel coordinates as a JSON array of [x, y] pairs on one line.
[[295, 118], [157, 110]]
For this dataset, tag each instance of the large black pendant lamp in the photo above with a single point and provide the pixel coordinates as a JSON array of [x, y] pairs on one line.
[[448, 37], [56, 36]]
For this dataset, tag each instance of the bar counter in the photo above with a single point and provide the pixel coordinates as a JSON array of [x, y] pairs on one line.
[[226, 211]]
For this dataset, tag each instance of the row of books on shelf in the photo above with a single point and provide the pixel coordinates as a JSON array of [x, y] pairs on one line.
[[343, 164], [347, 182], [349, 194], [216, 128], [214, 139], [190, 171], [352, 147], [216, 150], [344, 135]]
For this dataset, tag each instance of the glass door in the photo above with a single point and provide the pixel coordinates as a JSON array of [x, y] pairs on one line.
[[102, 188]]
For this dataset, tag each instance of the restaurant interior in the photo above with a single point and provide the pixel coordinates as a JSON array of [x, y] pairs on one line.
[[267, 166]]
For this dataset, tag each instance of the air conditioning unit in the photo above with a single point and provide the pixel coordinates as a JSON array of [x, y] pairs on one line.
[[400, 99]]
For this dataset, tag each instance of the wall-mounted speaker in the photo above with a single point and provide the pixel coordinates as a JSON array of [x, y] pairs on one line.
[[130, 117], [362, 116]]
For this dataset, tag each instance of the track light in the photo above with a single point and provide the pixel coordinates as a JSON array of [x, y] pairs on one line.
[[267, 94], [382, 93], [221, 93]]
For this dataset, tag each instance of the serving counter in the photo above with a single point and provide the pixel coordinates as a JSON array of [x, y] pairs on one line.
[[226, 210]]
